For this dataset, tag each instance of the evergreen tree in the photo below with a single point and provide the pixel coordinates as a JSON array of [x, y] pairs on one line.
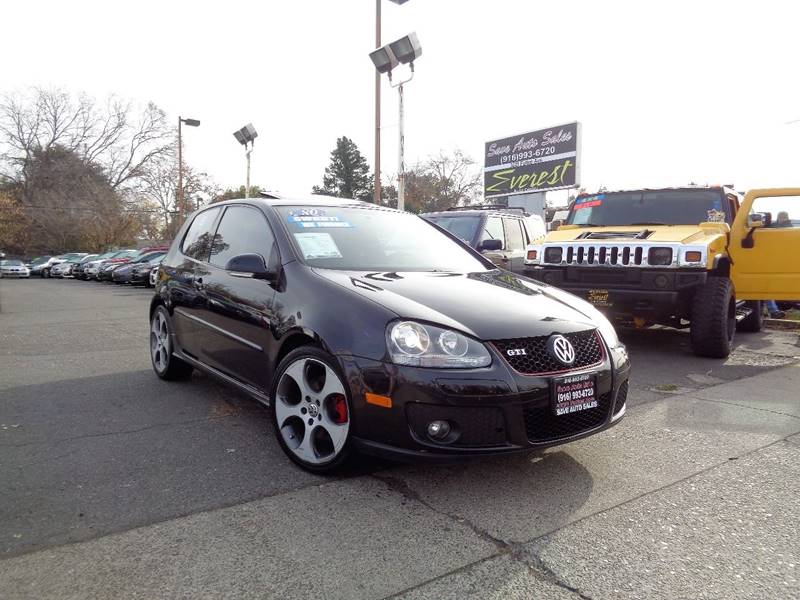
[[347, 175]]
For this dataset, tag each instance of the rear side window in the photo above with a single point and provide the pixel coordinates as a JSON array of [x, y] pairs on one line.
[[493, 230], [242, 230], [514, 239], [197, 242]]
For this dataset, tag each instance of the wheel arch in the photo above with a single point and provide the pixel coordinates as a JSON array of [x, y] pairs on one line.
[[296, 338]]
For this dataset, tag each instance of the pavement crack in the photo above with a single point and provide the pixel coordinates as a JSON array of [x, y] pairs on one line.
[[539, 569], [401, 487], [766, 410], [110, 433]]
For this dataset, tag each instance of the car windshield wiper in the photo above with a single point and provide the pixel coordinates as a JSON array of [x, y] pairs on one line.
[[585, 224]]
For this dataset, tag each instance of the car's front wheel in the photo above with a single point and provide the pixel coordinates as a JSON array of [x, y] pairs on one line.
[[311, 410], [165, 364], [713, 322]]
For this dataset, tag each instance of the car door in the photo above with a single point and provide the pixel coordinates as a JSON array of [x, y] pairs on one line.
[[239, 311], [493, 230], [185, 280], [515, 244], [765, 253]]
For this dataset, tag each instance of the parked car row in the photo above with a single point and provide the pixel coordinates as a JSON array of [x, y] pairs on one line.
[[119, 266]]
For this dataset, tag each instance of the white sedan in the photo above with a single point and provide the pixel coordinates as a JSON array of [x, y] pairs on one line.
[[13, 268]]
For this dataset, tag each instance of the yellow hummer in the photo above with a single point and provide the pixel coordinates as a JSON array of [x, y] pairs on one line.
[[698, 257]]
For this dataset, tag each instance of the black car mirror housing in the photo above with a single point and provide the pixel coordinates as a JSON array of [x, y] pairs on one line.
[[490, 245], [250, 265]]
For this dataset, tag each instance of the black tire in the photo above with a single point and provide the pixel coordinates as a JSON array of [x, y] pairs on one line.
[[45, 273], [165, 364], [713, 323], [753, 322], [344, 455]]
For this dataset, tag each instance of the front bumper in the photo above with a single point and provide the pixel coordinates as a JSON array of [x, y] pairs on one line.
[[495, 410], [635, 291]]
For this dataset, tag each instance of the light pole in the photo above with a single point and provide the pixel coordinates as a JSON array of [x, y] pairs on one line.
[[377, 185], [189, 123], [247, 135], [405, 51]]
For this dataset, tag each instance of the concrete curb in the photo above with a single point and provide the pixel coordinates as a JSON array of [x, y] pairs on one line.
[[782, 324]]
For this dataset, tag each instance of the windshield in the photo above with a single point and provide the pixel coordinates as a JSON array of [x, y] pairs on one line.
[[11, 263], [666, 207], [373, 239], [40, 260], [463, 227]]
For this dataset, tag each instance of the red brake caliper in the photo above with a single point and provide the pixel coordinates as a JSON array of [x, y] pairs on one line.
[[340, 408]]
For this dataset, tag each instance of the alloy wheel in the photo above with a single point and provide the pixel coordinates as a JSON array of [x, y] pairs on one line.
[[159, 341], [311, 411]]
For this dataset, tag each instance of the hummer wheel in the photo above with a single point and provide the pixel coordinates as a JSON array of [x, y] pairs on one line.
[[713, 322]]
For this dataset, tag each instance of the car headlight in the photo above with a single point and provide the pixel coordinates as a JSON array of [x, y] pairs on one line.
[[418, 345]]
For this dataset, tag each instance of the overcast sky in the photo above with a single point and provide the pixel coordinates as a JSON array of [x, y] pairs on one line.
[[686, 91]]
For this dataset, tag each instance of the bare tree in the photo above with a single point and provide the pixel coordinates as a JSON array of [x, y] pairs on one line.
[[440, 182], [116, 137], [158, 184]]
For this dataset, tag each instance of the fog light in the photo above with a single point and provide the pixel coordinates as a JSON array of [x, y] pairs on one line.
[[661, 281], [438, 430]]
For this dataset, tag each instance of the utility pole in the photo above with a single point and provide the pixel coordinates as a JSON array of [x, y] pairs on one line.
[[181, 211], [377, 107]]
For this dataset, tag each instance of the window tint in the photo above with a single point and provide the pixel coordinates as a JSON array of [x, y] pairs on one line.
[[197, 242], [242, 230], [514, 239], [493, 230]]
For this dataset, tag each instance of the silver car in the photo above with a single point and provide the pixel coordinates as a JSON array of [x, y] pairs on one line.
[[14, 268]]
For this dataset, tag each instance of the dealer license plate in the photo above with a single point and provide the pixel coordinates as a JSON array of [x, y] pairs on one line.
[[574, 393], [599, 297]]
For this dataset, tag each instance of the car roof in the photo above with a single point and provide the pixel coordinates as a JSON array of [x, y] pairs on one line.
[[476, 211], [309, 200], [725, 188]]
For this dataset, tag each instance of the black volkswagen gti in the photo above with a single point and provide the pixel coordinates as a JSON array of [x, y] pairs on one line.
[[365, 328]]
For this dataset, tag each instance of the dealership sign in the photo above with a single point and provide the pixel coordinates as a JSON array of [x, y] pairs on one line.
[[547, 159]]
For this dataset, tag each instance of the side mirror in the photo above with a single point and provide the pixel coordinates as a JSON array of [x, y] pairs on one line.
[[249, 266], [758, 220], [554, 225], [490, 245]]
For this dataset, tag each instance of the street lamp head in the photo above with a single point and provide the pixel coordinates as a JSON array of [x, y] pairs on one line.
[[190, 122], [407, 49], [383, 59], [246, 134]]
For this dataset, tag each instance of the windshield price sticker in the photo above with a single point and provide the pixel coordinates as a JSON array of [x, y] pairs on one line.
[[589, 201], [312, 221], [574, 394], [317, 245]]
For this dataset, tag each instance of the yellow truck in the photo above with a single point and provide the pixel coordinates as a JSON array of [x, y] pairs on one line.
[[705, 258]]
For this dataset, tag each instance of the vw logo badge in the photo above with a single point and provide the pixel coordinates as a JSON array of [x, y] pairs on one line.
[[561, 348]]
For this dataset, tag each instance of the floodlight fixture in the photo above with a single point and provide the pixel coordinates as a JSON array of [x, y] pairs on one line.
[[407, 49], [383, 59], [246, 134], [191, 122]]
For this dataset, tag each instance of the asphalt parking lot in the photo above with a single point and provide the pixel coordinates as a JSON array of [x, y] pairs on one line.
[[117, 484]]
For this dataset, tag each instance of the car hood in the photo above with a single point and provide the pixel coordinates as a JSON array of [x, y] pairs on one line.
[[684, 234], [489, 305]]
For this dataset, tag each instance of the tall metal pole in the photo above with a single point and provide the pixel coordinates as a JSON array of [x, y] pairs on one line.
[[401, 176], [247, 185], [181, 211], [377, 108]]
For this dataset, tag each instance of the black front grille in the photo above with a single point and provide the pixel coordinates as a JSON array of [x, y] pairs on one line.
[[537, 360], [542, 425], [476, 425], [622, 396]]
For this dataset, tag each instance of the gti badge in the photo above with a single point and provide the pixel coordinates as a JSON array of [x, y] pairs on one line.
[[561, 348], [516, 352]]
